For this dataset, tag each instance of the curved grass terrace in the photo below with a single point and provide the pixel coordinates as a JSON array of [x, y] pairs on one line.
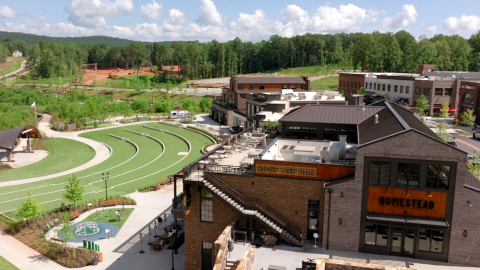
[[150, 164], [63, 154]]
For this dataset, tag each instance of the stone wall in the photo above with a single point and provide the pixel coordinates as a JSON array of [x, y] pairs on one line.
[[221, 247], [246, 263], [327, 264]]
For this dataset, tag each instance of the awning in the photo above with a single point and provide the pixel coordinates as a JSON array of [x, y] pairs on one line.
[[410, 221], [452, 110]]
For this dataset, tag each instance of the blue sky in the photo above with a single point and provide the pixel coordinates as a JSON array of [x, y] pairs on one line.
[[204, 20]]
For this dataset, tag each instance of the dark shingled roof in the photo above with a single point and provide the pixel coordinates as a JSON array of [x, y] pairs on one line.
[[392, 119], [331, 114], [9, 137], [270, 80]]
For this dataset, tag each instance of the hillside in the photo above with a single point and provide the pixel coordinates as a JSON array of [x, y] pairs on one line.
[[31, 39]]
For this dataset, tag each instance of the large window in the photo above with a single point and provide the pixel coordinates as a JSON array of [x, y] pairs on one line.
[[418, 90], [376, 235], [383, 87], [378, 87], [401, 89], [250, 87], [261, 87], [240, 87], [206, 206], [207, 259], [448, 91], [407, 89], [426, 91], [438, 176], [284, 86], [395, 88], [408, 175], [293, 86], [431, 241], [438, 91], [389, 87], [379, 173]]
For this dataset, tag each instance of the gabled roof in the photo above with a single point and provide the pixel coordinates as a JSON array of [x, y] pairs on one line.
[[8, 138], [393, 119], [331, 114], [270, 80]]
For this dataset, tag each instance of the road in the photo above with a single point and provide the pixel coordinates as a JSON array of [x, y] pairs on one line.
[[468, 144], [23, 69]]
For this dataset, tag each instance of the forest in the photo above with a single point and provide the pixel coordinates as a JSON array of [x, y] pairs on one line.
[[391, 52]]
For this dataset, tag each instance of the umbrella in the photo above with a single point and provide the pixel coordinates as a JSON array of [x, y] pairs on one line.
[[453, 110]]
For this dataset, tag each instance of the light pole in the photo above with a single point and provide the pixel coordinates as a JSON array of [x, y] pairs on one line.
[[105, 178]]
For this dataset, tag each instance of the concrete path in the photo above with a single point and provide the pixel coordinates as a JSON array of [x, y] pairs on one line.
[[120, 252], [21, 157]]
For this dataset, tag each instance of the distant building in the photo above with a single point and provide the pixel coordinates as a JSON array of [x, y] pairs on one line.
[[17, 54], [171, 70]]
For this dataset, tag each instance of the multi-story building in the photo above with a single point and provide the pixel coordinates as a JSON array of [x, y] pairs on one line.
[[380, 182], [470, 97], [395, 87], [350, 82], [231, 110]]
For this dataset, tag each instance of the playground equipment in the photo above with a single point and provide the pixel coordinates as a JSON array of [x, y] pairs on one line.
[[87, 228]]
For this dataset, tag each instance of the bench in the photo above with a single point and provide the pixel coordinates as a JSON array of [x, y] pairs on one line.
[[110, 203], [74, 215]]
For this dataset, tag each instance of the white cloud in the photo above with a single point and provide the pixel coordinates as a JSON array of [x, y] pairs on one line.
[[6, 13], [432, 29], [466, 24], [176, 20], [407, 16], [252, 26], [345, 18], [209, 14], [151, 11], [91, 14]]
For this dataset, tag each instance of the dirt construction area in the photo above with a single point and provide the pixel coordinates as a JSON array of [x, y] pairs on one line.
[[101, 75]]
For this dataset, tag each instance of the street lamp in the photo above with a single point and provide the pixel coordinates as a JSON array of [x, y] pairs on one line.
[[105, 177]]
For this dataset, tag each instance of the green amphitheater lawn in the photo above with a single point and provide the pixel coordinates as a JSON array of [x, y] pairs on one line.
[[6, 265], [122, 178], [63, 154], [108, 215]]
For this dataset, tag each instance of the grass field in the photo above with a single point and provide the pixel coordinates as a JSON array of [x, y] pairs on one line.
[[128, 171], [308, 71], [327, 83], [63, 154], [6, 265], [110, 217]]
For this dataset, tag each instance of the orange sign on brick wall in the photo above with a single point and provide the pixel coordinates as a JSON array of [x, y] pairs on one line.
[[299, 170], [399, 202]]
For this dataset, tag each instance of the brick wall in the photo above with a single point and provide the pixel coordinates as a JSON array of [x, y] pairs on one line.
[[288, 196], [198, 232], [248, 259]]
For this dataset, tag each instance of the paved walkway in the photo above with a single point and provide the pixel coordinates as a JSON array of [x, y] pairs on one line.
[[120, 252], [21, 157]]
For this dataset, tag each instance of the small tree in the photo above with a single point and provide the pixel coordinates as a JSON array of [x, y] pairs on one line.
[[421, 105], [73, 190], [65, 229], [386, 96], [468, 117], [444, 110], [30, 209], [442, 132], [361, 91]]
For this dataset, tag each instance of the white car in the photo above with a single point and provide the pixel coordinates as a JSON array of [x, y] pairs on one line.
[[476, 134]]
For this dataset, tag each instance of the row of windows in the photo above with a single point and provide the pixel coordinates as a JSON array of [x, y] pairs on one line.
[[408, 175], [438, 91], [324, 129], [387, 87], [350, 84], [429, 240], [262, 87]]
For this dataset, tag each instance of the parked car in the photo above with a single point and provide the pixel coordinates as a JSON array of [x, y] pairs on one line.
[[476, 134], [235, 129], [453, 143]]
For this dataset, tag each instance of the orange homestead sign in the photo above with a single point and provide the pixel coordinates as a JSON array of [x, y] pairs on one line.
[[397, 202]]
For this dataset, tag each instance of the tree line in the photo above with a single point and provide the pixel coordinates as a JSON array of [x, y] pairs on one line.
[[392, 52]]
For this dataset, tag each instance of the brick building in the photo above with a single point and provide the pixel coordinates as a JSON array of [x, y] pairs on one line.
[[395, 190], [350, 82], [469, 97], [232, 108]]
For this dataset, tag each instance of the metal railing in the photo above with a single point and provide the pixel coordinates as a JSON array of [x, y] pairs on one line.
[[255, 204]]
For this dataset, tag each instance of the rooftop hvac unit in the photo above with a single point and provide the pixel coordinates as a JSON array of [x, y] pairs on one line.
[[284, 147], [291, 147]]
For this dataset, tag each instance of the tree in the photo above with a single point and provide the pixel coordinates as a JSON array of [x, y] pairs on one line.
[[73, 190], [139, 53], [442, 132], [421, 105], [139, 105], [361, 91], [65, 229], [468, 117], [444, 110], [30, 209]]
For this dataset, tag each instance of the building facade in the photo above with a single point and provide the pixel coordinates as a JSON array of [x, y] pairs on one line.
[[397, 189], [396, 88], [437, 90], [469, 97], [350, 82]]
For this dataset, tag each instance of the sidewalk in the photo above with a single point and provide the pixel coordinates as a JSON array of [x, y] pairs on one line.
[[120, 252]]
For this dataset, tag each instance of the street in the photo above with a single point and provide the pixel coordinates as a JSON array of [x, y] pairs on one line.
[[468, 144]]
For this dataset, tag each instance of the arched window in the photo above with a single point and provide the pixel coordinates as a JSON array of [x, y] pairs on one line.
[[467, 102]]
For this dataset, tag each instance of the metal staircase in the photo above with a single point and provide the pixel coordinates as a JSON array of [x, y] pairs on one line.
[[254, 207]]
